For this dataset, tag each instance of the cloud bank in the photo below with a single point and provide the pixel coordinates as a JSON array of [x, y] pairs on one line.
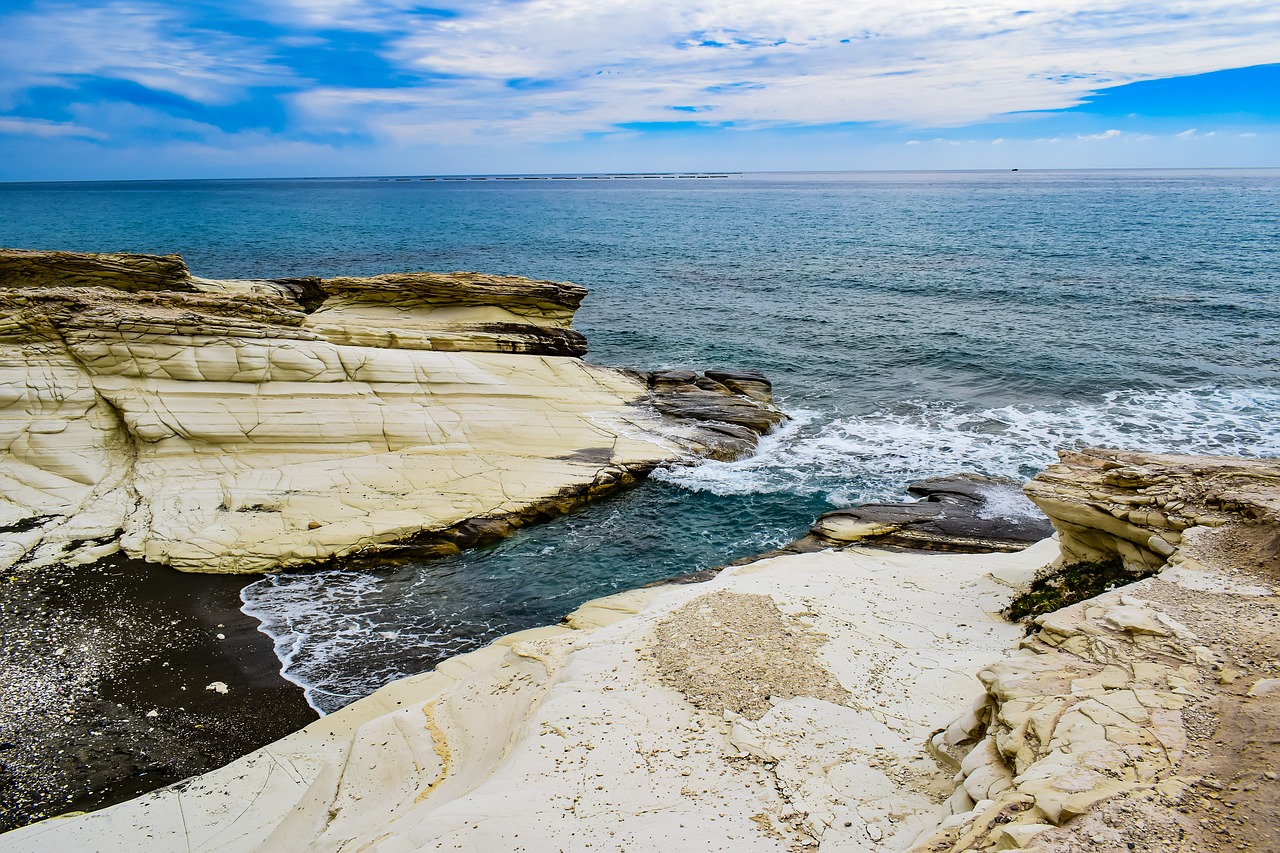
[[393, 73]]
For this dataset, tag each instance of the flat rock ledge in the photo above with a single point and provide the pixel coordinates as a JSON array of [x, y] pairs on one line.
[[839, 700], [254, 425], [957, 514]]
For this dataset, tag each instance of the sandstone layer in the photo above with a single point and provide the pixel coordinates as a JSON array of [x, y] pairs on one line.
[[242, 426], [841, 700]]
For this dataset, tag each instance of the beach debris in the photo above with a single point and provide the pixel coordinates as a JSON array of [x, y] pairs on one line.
[[218, 687]]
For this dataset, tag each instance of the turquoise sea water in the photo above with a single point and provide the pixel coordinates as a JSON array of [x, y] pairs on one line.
[[914, 323]]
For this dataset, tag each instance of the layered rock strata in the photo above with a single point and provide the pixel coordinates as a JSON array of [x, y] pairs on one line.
[[824, 701], [963, 513], [1139, 507], [1146, 718], [241, 426]]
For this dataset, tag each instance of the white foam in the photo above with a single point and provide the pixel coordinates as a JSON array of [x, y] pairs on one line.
[[1007, 502], [315, 620], [872, 457], [322, 622]]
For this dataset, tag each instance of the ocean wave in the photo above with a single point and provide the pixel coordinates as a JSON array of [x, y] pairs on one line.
[[872, 457], [338, 634]]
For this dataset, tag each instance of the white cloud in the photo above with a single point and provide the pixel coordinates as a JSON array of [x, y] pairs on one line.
[[539, 70], [144, 43], [355, 15], [587, 65], [43, 128]]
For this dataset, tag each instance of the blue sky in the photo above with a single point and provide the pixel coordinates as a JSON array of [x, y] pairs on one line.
[[230, 88]]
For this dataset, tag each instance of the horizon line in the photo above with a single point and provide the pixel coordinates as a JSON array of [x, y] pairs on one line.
[[622, 175]]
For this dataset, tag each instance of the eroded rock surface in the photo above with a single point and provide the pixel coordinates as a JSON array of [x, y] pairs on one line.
[[783, 705], [243, 426], [1144, 718], [821, 701], [963, 513], [1140, 507]]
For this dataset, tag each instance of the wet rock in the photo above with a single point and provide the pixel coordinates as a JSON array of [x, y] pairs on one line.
[[748, 383], [702, 405], [963, 513]]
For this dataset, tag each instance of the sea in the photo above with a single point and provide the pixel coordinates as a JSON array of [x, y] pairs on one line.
[[914, 324]]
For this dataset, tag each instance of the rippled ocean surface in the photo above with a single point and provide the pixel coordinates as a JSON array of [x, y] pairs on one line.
[[913, 324]]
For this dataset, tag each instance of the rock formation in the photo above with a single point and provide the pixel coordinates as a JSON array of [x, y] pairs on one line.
[[823, 701], [780, 704], [960, 514], [1146, 718], [240, 426], [1139, 506], [963, 513]]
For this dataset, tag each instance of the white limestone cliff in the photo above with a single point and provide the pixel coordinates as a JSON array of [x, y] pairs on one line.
[[842, 700], [240, 426]]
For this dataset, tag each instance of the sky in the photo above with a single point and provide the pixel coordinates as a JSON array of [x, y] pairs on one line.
[[131, 89]]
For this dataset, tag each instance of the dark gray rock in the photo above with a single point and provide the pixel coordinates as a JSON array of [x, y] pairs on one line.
[[748, 383], [666, 381], [728, 420], [699, 405], [963, 512]]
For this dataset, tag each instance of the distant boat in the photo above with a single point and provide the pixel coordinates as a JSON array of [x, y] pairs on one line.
[[1013, 170]]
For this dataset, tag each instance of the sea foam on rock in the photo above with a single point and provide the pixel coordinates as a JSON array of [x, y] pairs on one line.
[[250, 425]]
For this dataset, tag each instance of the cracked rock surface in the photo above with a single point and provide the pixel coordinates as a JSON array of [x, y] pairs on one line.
[[242, 426], [839, 700], [604, 730]]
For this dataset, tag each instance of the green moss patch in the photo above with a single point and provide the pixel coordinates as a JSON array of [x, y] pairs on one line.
[[1071, 584]]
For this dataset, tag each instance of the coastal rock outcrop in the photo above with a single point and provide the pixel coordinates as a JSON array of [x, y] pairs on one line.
[[250, 425], [959, 514], [963, 513], [781, 705], [820, 700], [1139, 507], [1148, 717]]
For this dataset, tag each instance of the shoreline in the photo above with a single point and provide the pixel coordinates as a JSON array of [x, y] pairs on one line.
[[910, 712], [213, 640], [601, 646], [103, 694]]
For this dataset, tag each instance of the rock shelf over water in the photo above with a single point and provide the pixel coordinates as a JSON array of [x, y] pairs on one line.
[[251, 425], [849, 699]]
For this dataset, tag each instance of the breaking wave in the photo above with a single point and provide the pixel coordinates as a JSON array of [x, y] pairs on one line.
[[871, 457]]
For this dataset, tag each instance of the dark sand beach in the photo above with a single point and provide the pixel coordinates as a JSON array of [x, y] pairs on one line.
[[104, 671]]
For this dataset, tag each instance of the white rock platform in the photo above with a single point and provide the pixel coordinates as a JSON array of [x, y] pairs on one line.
[[597, 735], [840, 700], [248, 426]]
